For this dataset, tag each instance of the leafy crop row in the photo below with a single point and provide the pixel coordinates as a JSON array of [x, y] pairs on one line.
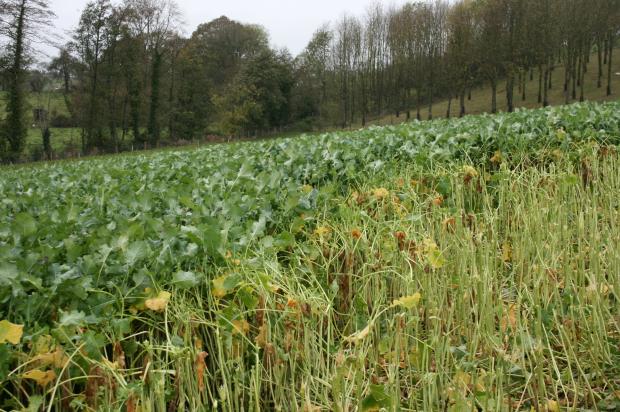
[[85, 246]]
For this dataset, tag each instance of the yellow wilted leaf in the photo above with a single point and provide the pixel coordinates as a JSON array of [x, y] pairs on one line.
[[322, 231], [594, 288], [380, 193], [158, 303], [56, 358], [41, 378], [462, 379], [470, 172], [43, 344], [109, 364], [509, 319], [433, 254], [408, 302], [307, 188], [10, 332], [497, 157], [553, 406], [261, 338], [274, 288], [361, 335], [507, 252], [218, 290], [240, 326], [436, 259]]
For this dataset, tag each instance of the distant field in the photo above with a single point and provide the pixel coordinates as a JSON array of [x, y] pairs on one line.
[[52, 100]]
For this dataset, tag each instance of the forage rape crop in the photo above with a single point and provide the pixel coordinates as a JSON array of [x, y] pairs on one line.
[[306, 274]]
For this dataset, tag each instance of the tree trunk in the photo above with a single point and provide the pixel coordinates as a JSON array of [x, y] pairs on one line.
[[547, 79], [153, 126], [134, 109], [16, 130], [124, 119], [418, 115], [540, 83], [66, 80], [47, 147], [449, 111], [567, 75], [551, 69], [574, 78], [407, 104], [493, 96], [579, 68], [566, 89], [171, 101], [430, 103], [462, 103], [599, 46], [582, 79], [510, 92], [363, 117], [609, 62]]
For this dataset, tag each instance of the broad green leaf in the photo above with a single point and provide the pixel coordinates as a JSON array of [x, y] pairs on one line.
[[34, 403], [25, 224], [136, 252], [73, 318], [436, 259], [8, 273], [185, 280], [377, 399], [222, 285]]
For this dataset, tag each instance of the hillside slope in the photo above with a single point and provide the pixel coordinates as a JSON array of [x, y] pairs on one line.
[[481, 97]]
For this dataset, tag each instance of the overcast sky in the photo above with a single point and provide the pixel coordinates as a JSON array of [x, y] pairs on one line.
[[290, 23]]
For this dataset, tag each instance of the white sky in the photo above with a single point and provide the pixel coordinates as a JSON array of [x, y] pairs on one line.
[[290, 23]]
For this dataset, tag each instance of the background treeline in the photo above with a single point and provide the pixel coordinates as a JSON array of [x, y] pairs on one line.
[[129, 79]]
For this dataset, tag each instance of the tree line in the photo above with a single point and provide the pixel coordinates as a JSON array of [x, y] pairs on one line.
[[129, 78]]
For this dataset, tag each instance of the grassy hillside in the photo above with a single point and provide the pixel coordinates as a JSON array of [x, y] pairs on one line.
[[481, 97]]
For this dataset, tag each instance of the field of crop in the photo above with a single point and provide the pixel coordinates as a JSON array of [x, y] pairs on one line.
[[471, 264]]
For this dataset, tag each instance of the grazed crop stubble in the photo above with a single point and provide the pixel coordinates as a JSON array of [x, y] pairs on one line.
[[448, 265]]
